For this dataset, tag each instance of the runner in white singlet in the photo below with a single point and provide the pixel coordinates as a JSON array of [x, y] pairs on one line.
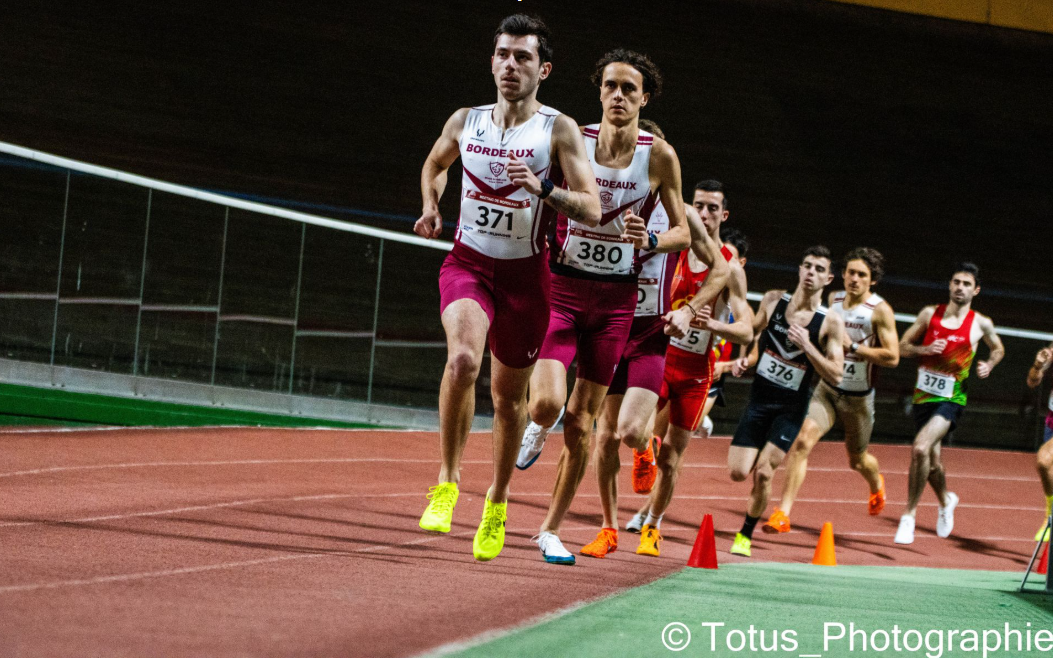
[[494, 282]]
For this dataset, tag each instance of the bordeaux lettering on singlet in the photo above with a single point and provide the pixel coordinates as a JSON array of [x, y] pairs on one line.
[[498, 218], [655, 270], [686, 283], [784, 369], [600, 250], [859, 325]]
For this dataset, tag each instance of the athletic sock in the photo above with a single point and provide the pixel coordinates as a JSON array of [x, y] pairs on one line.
[[653, 521], [749, 525]]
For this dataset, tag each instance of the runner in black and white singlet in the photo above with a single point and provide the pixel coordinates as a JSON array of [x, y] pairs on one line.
[[870, 339], [796, 338], [1044, 458], [494, 280], [594, 282]]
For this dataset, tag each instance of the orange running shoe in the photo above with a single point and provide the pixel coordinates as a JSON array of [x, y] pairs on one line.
[[645, 468], [777, 522], [877, 500], [606, 542]]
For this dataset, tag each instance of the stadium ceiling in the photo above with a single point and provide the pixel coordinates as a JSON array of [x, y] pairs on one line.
[[1017, 14]]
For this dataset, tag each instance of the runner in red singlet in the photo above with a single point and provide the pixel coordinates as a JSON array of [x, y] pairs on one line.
[[944, 338], [689, 360], [495, 281]]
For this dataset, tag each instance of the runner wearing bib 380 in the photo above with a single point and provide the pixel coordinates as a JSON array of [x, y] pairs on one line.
[[870, 339], [796, 338], [494, 280], [593, 276], [944, 338]]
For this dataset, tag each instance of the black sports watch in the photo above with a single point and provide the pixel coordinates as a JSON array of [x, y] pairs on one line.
[[652, 240], [853, 348], [546, 188]]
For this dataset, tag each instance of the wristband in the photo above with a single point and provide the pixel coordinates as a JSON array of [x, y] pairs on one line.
[[691, 308], [546, 188]]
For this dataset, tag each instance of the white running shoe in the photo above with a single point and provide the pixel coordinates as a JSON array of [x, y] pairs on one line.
[[636, 523], [533, 441], [707, 425], [905, 532], [552, 549], [945, 520]]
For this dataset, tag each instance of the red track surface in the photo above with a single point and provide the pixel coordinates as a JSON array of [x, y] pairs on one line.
[[233, 542]]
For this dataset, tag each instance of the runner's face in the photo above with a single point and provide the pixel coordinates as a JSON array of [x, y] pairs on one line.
[[963, 288], [814, 273], [516, 66], [857, 277], [711, 206], [621, 93]]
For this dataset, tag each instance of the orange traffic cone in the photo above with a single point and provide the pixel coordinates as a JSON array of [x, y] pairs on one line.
[[704, 552], [824, 550], [1043, 562]]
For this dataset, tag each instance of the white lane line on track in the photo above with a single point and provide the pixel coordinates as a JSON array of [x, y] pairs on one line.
[[401, 460], [143, 575], [315, 497]]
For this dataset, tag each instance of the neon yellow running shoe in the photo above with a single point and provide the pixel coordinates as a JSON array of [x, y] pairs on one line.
[[490, 537], [439, 514], [650, 540], [741, 545], [1042, 534]]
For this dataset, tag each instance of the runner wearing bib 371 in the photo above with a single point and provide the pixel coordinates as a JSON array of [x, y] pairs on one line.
[[494, 281], [594, 283], [1044, 458], [870, 339], [796, 338], [944, 338]]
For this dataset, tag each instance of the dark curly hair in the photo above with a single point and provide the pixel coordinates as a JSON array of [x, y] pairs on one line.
[[872, 257], [652, 77]]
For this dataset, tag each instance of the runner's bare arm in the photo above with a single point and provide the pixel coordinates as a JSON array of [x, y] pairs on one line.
[[741, 330], [910, 344], [994, 344], [581, 201], [829, 362], [706, 250], [760, 323], [886, 352], [433, 175], [1040, 366]]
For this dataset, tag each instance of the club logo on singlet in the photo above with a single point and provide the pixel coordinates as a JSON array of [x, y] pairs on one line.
[[605, 198], [497, 168]]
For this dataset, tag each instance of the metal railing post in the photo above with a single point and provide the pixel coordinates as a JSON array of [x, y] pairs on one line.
[[58, 279], [296, 309], [376, 317], [142, 291], [219, 299]]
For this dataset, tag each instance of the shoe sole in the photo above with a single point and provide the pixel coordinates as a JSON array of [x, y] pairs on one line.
[[648, 554], [734, 552], [438, 531], [529, 463], [635, 531], [568, 561], [773, 530], [904, 543]]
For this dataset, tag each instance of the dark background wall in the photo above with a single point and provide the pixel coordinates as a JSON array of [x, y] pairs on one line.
[[928, 139]]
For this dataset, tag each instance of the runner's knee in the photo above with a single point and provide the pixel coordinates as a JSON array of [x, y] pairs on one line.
[[763, 475], [544, 410], [576, 426], [738, 474], [507, 407], [1044, 461], [463, 367]]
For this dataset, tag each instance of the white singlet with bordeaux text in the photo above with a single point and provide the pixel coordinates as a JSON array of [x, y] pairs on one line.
[[499, 219], [600, 250], [859, 326], [656, 270]]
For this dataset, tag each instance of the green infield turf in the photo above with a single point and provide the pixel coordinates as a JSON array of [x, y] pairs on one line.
[[793, 609], [26, 405]]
